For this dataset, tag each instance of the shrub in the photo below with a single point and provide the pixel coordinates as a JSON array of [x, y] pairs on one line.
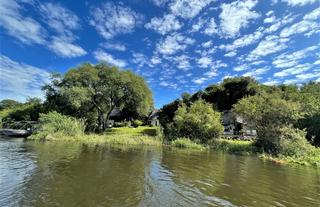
[[197, 122], [53, 125], [137, 123], [271, 116], [186, 143]]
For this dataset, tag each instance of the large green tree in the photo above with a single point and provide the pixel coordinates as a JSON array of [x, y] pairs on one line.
[[272, 116], [93, 91]]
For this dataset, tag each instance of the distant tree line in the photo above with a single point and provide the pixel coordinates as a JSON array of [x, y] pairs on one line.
[[90, 93], [271, 107]]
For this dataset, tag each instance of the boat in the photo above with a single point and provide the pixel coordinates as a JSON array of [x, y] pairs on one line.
[[15, 132]]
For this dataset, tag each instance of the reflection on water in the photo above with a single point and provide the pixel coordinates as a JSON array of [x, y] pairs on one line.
[[69, 174]]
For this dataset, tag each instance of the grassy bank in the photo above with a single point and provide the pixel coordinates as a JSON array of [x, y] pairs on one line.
[[116, 136], [311, 158], [186, 144]]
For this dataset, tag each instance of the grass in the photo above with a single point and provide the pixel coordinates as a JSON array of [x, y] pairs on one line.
[[311, 158], [233, 146], [115, 136], [186, 143]]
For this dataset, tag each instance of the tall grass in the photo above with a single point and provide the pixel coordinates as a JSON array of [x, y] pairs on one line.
[[233, 146], [54, 126], [186, 143]]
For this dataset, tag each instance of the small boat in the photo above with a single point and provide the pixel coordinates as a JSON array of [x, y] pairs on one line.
[[15, 132]]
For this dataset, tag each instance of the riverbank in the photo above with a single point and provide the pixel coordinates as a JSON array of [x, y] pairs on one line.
[[143, 135], [310, 158], [151, 136]]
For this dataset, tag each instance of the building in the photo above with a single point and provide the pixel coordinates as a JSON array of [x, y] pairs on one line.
[[236, 125], [153, 119]]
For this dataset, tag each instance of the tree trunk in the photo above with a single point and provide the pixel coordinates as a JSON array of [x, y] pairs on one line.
[[101, 121]]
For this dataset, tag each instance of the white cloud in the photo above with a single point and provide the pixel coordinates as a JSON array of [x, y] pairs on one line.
[[173, 43], [115, 46], [207, 44], [111, 20], [270, 19], [198, 25], [299, 2], [62, 20], [211, 73], [106, 57], [19, 81], [66, 49], [29, 31], [309, 25], [155, 60], [231, 54], [205, 62], [298, 69], [241, 68], [165, 24], [25, 29], [271, 44], [183, 62], [160, 3], [211, 27], [243, 41], [139, 59], [199, 80], [271, 82], [307, 76], [235, 16], [291, 59], [188, 8], [257, 72]]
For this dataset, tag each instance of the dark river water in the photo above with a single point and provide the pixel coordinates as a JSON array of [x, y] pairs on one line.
[[70, 174]]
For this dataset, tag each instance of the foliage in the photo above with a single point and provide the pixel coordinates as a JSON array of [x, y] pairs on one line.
[[186, 143], [197, 122], [9, 104], [233, 146], [123, 136], [137, 123], [93, 91], [269, 113], [28, 111], [54, 125]]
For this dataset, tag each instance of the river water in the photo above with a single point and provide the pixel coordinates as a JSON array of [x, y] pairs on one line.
[[69, 174]]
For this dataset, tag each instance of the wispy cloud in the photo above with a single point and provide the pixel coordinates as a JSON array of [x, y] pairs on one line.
[[24, 28], [173, 43], [111, 19], [235, 16], [188, 8], [165, 24], [19, 81], [108, 58]]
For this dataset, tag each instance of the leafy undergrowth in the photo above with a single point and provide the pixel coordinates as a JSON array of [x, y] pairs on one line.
[[233, 146], [186, 143], [311, 158]]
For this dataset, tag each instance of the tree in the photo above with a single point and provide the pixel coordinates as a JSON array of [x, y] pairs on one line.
[[197, 122], [98, 89], [9, 104], [269, 114]]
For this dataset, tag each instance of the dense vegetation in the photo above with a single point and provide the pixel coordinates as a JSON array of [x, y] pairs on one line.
[[80, 102]]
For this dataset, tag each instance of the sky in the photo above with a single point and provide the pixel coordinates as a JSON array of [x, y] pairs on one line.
[[176, 45]]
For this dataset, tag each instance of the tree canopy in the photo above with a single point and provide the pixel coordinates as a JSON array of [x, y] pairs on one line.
[[93, 91]]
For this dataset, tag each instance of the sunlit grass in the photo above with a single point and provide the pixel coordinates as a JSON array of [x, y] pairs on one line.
[[233, 146], [186, 143]]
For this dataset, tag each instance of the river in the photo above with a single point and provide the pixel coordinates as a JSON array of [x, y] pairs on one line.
[[71, 174]]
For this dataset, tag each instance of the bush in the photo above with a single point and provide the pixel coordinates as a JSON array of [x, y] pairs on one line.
[[292, 142], [137, 123], [273, 117], [197, 122], [186, 143], [53, 125]]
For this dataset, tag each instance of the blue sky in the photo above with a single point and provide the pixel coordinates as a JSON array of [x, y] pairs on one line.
[[176, 45]]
